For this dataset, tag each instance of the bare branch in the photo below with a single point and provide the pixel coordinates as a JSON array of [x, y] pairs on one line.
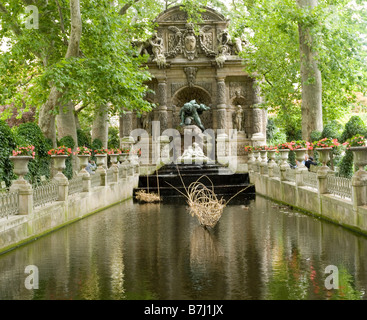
[[126, 7]]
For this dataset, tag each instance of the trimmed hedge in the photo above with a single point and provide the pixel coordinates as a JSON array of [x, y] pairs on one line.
[[354, 126], [29, 133], [68, 142], [7, 145]]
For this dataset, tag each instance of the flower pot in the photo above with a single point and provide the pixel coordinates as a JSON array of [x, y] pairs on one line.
[[20, 165], [359, 157], [284, 153], [123, 157], [101, 159], [59, 162], [271, 156], [113, 158], [324, 155], [263, 156], [83, 161], [300, 157]]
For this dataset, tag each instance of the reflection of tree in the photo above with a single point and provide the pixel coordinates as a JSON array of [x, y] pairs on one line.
[[347, 290], [288, 281], [204, 250]]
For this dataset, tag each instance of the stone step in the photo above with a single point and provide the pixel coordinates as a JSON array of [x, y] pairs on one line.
[[175, 179], [221, 191]]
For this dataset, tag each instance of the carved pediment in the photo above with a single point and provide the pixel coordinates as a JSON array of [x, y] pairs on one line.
[[175, 14]]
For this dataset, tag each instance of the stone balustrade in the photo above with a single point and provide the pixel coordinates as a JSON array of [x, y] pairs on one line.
[[321, 193], [60, 188]]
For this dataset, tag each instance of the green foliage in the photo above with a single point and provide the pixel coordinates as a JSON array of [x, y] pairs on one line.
[[68, 142], [113, 138], [6, 147], [315, 136], [29, 133], [270, 31], [346, 165], [333, 130], [354, 126], [84, 138], [97, 144]]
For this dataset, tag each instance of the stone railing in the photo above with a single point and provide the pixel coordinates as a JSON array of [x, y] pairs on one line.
[[322, 193], [45, 193], [339, 186], [309, 179], [23, 198], [9, 203]]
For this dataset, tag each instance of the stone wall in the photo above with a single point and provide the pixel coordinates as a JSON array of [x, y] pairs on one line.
[[326, 206], [19, 229]]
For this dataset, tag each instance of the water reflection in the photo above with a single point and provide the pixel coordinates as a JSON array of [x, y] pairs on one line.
[[258, 250]]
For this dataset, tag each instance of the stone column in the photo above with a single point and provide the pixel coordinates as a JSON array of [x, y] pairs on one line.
[[162, 101], [221, 104], [63, 184], [322, 174], [222, 137], [164, 157], [359, 187], [25, 195]]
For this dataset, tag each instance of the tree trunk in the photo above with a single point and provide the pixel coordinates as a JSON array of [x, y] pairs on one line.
[[66, 127], [66, 122], [46, 118], [100, 125], [310, 78]]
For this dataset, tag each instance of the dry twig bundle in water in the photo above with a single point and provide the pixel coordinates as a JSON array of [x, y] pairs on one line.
[[142, 196], [204, 203]]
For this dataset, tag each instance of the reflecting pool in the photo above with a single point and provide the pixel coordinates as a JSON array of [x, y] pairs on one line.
[[259, 250]]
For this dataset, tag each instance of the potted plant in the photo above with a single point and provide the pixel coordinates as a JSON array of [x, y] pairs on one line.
[[284, 149], [59, 155], [358, 145], [271, 150], [101, 155], [124, 154], [114, 154], [300, 148], [323, 147], [20, 158], [83, 154]]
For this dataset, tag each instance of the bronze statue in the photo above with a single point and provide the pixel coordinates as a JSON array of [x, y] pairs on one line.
[[191, 111]]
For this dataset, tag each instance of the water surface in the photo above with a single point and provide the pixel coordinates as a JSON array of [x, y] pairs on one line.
[[258, 250]]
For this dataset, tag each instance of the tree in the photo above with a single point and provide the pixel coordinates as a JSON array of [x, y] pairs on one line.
[[304, 52]]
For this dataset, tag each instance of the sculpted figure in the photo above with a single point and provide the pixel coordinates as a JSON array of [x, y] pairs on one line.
[[239, 118], [191, 111], [157, 48]]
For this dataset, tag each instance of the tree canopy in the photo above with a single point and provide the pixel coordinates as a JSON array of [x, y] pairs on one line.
[[106, 69]]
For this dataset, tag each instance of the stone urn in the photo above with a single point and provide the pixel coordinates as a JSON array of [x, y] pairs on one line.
[[101, 160], [114, 158], [284, 153], [123, 157], [20, 165], [359, 157], [257, 160], [251, 161], [271, 156], [263, 158], [300, 157], [59, 162], [324, 155], [83, 161]]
